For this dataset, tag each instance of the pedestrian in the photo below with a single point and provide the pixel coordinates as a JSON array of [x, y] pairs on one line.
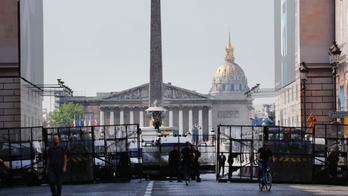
[[56, 166], [174, 163], [4, 177], [188, 156], [125, 163], [222, 160], [195, 164], [333, 160], [230, 163]]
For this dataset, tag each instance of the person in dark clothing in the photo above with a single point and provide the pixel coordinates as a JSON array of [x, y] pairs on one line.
[[174, 163], [262, 157], [222, 160], [195, 164], [4, 177], [56, 166], [125, 163], [230, 163], [188, 156], [333, 160]]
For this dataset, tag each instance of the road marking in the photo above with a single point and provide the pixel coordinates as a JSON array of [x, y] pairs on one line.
[[149, 189]]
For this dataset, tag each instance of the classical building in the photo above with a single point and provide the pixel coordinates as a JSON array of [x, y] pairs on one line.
[[225, 104]]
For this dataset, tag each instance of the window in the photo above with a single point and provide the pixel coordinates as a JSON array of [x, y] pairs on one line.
[[240, 87], [232, 87], [223, 87], [296, 92]]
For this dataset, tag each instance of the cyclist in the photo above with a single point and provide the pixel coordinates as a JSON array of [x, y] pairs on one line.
[[262, 157]]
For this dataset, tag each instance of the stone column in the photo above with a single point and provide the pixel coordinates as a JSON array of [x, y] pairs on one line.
[[112, 116], [131, 115], [156, 78], [171, 119], [181, 122], [190, 119], [200, 123], [101, 115], [141, 116], [210, 118], [121, 115]]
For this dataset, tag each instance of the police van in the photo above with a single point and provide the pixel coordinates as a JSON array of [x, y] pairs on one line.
[[24, 158]]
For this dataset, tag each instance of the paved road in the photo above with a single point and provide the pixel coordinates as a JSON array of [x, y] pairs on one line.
[[208, 187]]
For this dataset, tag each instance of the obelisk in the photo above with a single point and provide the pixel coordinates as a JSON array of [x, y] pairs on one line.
[[156, 78]]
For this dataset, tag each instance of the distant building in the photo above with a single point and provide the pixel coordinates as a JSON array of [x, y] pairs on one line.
[[21, 63], [264, 115], [225, 104]]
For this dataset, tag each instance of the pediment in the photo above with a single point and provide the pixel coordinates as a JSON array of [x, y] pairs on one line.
[[169, 92]]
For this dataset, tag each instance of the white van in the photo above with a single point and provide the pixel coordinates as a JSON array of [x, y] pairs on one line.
[[19, 157]]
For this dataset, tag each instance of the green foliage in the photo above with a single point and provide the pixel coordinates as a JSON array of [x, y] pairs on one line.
[[64, 116]]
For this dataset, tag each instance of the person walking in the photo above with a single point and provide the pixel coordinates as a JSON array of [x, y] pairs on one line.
[[124, 166], [222, 160], [333, 160], [56, 166], [195, 164], [230, 163], [188, 156], [174, 163]]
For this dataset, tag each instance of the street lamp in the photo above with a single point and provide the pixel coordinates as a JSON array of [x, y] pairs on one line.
[[334, 54], [303, 75], [212, 131]]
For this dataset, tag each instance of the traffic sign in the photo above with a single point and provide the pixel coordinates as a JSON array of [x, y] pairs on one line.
[[335, 127], [312, 118], [338, 114], [310, 127]]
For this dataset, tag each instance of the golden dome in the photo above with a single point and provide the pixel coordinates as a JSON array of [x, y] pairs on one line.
[[229, 71]]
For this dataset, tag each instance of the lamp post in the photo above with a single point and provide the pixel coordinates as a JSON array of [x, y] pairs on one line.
[[212, 131], [334, 54], [303, 75]]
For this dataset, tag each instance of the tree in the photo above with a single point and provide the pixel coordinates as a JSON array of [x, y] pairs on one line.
[[64, 116]]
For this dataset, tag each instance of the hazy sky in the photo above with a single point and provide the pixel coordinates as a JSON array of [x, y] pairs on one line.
[[104, 45]]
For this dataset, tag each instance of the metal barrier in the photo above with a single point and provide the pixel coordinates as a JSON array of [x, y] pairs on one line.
[[22, 149], [297, 153], [330, 154], [156, 153], [93, 153], [105, 153]]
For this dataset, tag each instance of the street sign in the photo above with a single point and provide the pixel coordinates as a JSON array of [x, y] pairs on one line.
[[335, 127], [310, 127], [312, 118], [338, 114]]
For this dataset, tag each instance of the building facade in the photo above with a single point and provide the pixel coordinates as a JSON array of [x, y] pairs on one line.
[[21, 63], [341, 37], [187, 110], [304, 32]]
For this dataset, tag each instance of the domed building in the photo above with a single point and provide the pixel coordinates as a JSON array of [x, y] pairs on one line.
[[229, 79], [187, 109]]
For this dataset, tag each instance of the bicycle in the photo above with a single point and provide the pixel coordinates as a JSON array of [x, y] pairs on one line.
[[266, 180]]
